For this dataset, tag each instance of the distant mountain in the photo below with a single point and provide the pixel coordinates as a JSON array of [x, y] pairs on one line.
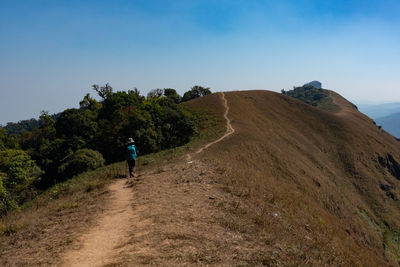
[[379, 111], [390, 123]]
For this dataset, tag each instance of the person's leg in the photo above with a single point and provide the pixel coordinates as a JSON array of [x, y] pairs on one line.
[[131, 165], [133, 168]]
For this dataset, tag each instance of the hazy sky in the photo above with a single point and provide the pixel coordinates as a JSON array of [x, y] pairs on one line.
[[51, 52]]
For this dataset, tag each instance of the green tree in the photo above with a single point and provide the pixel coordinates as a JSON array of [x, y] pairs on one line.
[[76, 122], [173, 95], [155, 93], [117, 101], [46, 127], [81, 161], [18, 172], [3, 195], [89, 103], [141, 127], [196, 91], [3, 137], [103, 91]]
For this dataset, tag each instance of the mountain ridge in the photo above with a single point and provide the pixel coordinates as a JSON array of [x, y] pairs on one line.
[[336, 153], [295, 184]]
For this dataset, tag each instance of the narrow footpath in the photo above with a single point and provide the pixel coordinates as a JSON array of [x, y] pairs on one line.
[[110, 231], [175, 215]]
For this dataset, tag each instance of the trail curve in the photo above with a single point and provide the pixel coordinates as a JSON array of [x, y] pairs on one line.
[[229, 129]]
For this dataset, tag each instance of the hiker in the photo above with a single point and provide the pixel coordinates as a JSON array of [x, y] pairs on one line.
[[131, 156]]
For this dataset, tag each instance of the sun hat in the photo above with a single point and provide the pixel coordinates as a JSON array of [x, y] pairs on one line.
[[130, 140]]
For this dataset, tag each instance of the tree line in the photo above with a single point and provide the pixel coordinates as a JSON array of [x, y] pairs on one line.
[[84, 138]]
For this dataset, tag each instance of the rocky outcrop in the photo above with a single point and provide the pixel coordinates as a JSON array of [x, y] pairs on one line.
[[315, 84], [391, 165]]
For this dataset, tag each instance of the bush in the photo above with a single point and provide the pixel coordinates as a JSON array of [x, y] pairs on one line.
[[17, 173], [81, 161], [3, 195], [195, 92]]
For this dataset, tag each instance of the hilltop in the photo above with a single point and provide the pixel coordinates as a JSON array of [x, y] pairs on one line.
[[294, 184], [332, 177]]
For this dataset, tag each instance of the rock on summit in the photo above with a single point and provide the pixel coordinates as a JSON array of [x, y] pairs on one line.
[[315, 84]]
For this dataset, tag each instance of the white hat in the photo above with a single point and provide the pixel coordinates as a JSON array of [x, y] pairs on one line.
[[130, 140]]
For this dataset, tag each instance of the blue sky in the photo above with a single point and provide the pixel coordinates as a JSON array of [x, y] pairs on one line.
[[51, 52]]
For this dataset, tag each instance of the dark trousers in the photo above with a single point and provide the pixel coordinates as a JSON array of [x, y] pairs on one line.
[[132, 167]]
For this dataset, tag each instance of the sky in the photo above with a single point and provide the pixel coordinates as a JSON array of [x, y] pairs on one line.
[[52, 52]]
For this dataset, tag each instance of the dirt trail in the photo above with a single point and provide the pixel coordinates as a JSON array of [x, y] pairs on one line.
[[345, 107], [101, 242], [229, 128], [173, 215]]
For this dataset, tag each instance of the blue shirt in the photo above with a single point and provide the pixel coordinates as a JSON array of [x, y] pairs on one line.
[[131, 152]]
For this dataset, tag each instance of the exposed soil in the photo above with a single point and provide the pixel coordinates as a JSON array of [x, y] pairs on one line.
[[345, 106], [111, 230]]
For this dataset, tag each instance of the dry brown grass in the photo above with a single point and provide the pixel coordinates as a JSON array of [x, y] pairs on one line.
[[43, 228], [311, 179]]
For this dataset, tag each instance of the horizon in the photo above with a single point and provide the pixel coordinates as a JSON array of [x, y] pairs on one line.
[[52, 53], [359, 105]]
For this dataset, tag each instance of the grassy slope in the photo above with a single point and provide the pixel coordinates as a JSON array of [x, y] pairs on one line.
[[312, 179], [308, 182], [43, 228]]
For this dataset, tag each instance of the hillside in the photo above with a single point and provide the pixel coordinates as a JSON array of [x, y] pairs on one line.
[[331, 178], [290, 184]]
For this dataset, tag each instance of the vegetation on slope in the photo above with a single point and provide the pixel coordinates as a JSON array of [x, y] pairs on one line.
[[311, 95], [85, 138], [44, 227]]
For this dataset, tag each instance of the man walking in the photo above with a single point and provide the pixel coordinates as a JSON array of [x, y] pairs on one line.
[[131, 156]]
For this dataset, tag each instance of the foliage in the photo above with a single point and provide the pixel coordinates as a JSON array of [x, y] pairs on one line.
[[89, 103], [103, 91], [76, 122], [311, 95], [173, 95], [3, 137], [117, 101], [24, 125], [308, 94], [3, 195], [84, 138], [196, 91], [80, 161], [155, 93], [17, 173]]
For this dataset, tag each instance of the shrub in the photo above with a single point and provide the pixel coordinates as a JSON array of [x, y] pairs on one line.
[[81, 161], [17, 173], [195, 92], [3, 195]]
